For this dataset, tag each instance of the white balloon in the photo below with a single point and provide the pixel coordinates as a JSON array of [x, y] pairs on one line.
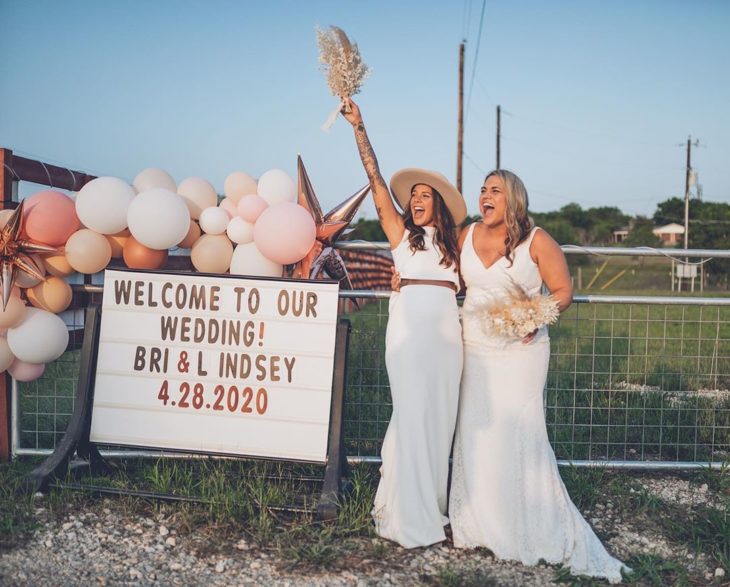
[[275, 186], [6, 355], [199, 194], [240, 231], [248, 260], [239, 184], [102, 204], [214, 220], [40, 338], [153, 178], [158, 218]]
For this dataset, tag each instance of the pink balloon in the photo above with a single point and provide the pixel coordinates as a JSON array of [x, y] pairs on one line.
[[251, 207], [230, 208], [50, 217], [284, 233], [22, 371]]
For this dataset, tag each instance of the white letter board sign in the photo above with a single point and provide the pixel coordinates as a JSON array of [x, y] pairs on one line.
[[215, 364]]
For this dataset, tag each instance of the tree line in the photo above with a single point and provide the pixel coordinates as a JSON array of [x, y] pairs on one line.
[[709, 225]]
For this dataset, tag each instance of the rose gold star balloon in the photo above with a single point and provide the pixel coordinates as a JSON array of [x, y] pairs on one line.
[[15, 254], [329, 227]]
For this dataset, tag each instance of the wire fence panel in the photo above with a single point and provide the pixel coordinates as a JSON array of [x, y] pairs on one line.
[[633, 381]]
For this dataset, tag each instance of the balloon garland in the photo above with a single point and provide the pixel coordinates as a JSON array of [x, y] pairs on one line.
[[258, 229]]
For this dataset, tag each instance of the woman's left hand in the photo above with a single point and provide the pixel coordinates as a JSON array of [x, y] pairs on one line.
[[529, 338], [395, 280]]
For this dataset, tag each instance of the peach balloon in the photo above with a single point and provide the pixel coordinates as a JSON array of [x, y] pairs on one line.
[[58, 265], [22, 371], [50, 217], [229, 206], [13, 313], [53, 294], [88, 251], [251, 207], [23, 279], [193, 234], [199, 194], [212, 253], [4, 216], [137, 256], [117, 242], [239, 184]]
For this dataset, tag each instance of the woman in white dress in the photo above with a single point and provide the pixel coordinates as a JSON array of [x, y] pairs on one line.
[[423, 349], [506, 491]]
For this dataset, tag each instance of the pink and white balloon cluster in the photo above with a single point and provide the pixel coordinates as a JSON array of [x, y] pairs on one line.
[[257, 228]]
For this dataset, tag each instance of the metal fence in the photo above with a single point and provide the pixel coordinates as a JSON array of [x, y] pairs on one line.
[[634, 381]]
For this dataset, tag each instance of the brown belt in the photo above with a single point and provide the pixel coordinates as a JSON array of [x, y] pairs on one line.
[[441, 282]]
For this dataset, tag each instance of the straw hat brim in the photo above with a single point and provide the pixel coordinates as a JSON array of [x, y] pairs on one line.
[[402, 182]]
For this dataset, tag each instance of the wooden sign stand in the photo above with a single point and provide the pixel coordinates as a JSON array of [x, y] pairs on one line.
[[76, 439]]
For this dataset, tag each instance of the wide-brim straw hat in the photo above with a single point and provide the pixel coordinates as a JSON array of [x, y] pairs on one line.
[[402, 182]]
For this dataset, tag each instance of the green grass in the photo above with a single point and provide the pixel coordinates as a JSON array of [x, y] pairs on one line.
[[17, 521]]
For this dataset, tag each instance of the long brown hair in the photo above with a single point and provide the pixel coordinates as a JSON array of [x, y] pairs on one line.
[[444, 236], [519, 224]]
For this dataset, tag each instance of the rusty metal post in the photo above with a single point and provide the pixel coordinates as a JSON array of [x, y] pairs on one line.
[[6, 191]]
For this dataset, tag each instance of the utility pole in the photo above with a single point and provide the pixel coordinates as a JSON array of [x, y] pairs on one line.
[[460, 132], [688, 174], [499, 132]]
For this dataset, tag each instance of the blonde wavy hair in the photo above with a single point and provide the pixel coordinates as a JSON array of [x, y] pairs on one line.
[[519, 224]]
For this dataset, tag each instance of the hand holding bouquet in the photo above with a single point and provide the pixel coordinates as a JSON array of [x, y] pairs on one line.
[[517, 314], [341, 62]]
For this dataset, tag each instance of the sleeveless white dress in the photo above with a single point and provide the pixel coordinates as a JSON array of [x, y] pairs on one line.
[[506, 491], [423, 355]]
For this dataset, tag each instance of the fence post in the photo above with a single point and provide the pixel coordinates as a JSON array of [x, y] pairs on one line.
[[6, 191]]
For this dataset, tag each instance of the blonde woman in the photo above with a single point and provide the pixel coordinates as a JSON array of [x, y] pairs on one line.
[[506, 491]]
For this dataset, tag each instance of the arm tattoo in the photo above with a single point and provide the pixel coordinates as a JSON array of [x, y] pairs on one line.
[[369, 161]]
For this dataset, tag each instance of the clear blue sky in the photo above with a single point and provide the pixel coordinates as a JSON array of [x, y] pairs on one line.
[[596, 95]]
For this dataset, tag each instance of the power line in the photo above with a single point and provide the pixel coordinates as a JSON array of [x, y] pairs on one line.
[[466, 16], [476, 56]]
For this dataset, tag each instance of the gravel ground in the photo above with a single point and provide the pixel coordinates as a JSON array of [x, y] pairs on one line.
[[107, 546]]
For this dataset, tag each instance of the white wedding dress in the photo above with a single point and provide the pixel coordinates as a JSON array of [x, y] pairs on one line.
[[506, 491], [423, 355]]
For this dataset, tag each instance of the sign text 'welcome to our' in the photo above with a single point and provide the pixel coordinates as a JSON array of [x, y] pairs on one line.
[[224, 365]]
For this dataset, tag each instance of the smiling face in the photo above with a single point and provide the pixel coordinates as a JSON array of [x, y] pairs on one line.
[[493, 201], [421, 205]]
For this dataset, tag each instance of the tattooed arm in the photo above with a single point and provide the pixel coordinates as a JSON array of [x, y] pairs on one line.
[[389, 217]]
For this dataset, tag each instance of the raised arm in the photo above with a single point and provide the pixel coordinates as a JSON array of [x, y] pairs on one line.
[[390, 219], [553, 268]]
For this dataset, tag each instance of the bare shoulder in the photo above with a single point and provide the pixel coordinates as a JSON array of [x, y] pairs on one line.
[[542, 244]]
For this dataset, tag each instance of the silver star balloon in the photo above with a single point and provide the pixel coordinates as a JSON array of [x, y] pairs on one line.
[[15, 253], [323, 256]]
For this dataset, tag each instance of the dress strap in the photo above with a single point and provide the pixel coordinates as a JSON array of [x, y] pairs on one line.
[[534, 230]]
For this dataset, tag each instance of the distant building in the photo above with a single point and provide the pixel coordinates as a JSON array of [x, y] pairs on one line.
[[620, 235], [670, 234]]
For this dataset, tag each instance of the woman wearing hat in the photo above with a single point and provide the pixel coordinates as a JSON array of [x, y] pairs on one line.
[[423, 349]]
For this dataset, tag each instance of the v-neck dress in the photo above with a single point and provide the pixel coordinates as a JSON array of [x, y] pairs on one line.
[[506, 491]]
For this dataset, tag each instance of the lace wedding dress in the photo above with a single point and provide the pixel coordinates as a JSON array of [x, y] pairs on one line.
[[506, 491]]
